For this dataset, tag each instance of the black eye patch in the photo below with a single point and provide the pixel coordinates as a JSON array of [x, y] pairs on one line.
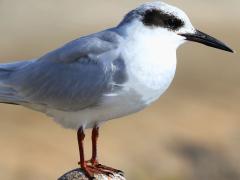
[[156, 18]]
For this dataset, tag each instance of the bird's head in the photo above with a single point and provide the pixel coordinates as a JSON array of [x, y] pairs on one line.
[[171, 23]]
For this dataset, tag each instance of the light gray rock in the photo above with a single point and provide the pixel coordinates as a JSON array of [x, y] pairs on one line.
[[78, 174]]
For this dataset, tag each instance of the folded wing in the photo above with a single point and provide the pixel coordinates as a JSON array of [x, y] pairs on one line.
[[70, 78]]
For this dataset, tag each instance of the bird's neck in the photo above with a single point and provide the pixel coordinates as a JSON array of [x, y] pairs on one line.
[[152, 47]]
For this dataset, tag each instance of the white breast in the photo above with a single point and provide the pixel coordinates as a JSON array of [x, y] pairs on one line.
[[151, 64]]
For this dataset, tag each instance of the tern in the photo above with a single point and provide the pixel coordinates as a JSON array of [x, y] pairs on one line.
[[106, 75]]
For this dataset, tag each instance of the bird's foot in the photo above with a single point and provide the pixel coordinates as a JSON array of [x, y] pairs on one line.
[[91, 171], [96, 169], [96, 164]]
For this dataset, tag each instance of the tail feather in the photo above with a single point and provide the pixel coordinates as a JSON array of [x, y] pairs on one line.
[[8, 94]]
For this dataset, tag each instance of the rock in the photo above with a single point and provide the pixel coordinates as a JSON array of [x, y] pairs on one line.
[[78, 174]]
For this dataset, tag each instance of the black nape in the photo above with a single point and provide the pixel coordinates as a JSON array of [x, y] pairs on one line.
[[157, 18]]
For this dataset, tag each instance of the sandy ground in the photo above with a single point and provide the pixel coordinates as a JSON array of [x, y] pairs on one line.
[[192, 132]]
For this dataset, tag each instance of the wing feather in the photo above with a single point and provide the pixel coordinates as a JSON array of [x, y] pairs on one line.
[[72, 77]]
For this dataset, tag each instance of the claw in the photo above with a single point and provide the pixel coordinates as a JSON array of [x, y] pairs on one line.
[[89, 172], [110, 169]]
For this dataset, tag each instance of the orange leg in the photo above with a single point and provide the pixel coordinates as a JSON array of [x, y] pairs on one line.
[[94, 159], [88, 170], [95, 167], [81, 136], [95, 135]]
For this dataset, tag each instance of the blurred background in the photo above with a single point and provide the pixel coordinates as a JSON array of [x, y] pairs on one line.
[[191, 133]]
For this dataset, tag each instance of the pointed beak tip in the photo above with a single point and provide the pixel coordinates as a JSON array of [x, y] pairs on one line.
[[230, 50], [233, 51]]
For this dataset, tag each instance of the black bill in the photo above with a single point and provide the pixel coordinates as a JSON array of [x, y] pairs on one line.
[[203, 38]]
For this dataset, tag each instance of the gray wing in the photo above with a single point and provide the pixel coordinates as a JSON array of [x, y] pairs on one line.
[[72, 77]]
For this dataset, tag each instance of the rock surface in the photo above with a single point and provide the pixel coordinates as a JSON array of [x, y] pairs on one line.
[[78, 174]]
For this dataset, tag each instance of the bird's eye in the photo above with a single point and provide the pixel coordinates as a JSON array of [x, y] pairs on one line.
[[173, 23]]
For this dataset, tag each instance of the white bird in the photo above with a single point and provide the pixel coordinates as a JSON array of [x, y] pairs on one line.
[[105, 75]]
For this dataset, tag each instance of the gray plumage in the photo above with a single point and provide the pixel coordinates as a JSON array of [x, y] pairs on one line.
[[70, 78]]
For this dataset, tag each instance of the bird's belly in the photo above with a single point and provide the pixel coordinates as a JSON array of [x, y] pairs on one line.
[[124, 102], [110, 107], [130, 99]]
